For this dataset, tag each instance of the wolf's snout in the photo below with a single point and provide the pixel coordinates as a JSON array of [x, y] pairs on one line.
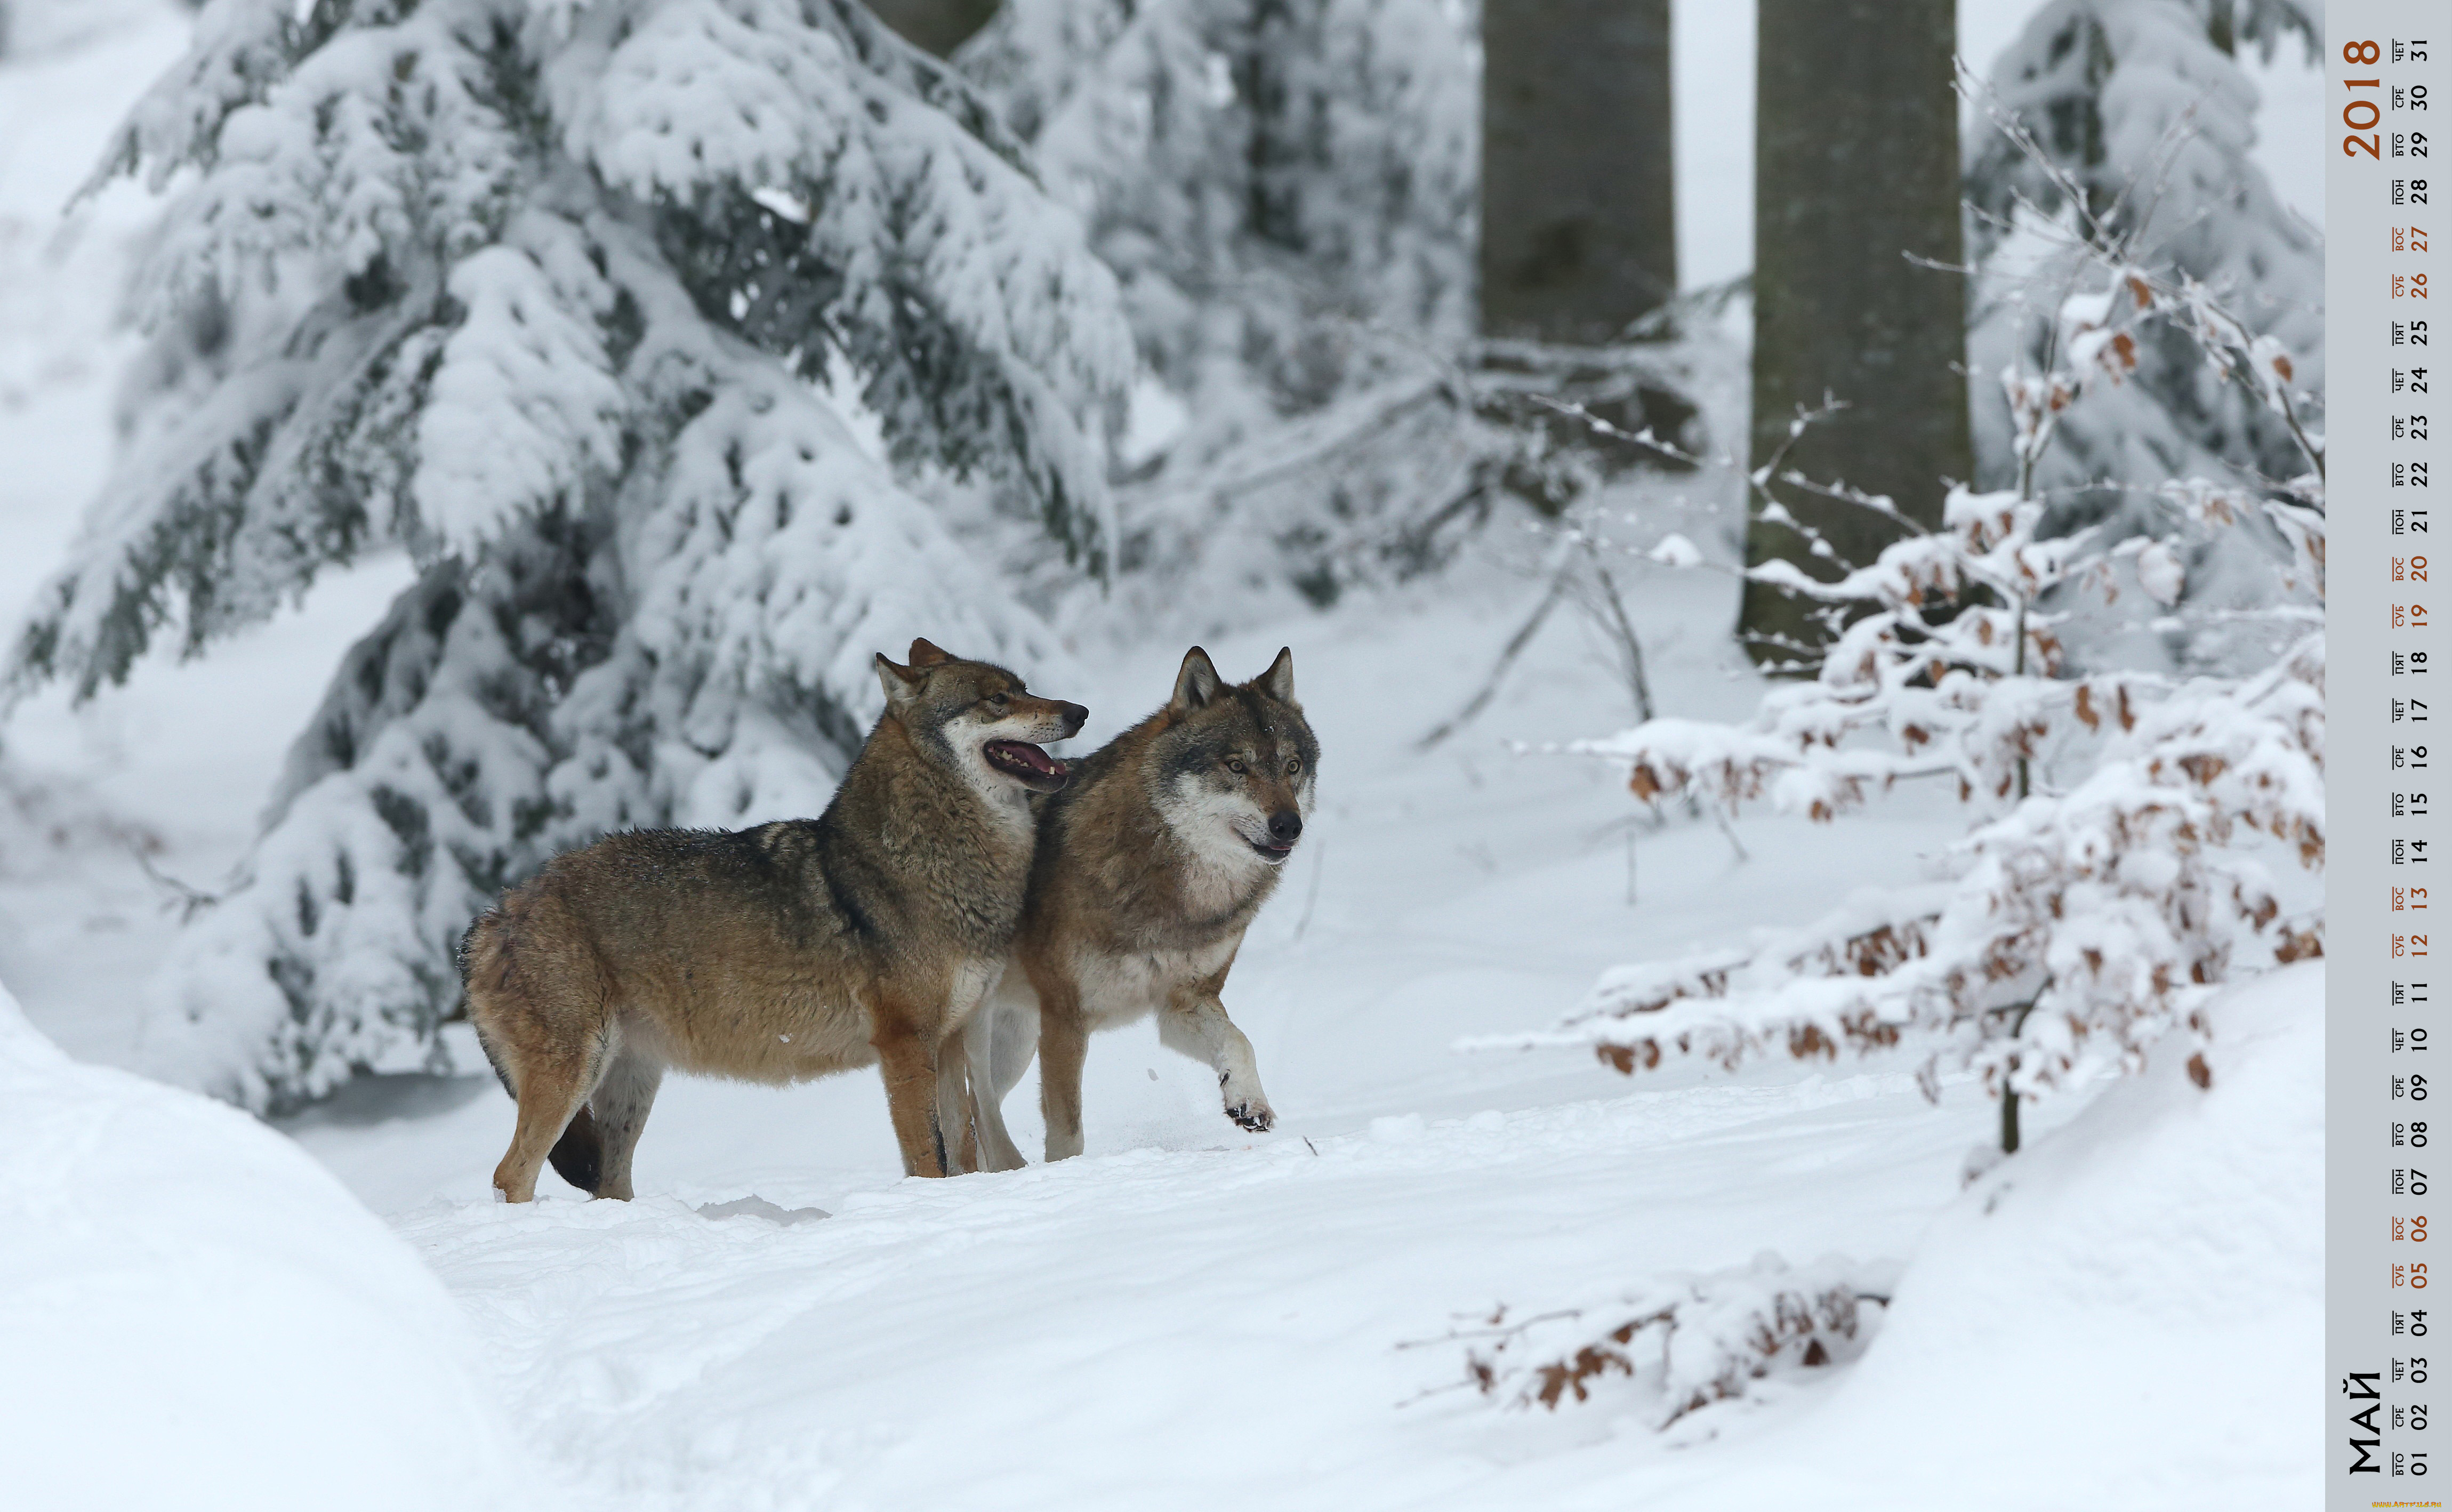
[[1074, 716], [1285, 826]]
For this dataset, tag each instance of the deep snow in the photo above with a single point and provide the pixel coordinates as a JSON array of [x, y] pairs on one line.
[[1189, 1314], [195, 1314], [1198, 1318]]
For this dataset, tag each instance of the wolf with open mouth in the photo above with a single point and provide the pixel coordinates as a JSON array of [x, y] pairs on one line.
[[1151, 864], [864, 936]]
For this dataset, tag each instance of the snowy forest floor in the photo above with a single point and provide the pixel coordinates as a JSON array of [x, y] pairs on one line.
[[1189, 1316]]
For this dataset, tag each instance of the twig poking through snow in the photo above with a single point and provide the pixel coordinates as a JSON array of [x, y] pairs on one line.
[[1514, 648], [1720, 815]]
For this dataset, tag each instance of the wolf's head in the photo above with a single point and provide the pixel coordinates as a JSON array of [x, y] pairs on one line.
[[978, 718], [1234, 767]]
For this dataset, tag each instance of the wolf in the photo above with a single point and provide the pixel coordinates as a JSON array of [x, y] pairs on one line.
[[1151, 864], [864, 936]]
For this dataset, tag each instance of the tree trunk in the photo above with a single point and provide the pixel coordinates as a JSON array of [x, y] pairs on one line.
[[1578, 226], [935, 26], [1855, 164], [1288, 137]]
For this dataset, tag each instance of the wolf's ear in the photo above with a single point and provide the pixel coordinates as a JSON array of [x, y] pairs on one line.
[[901, 684], [926, 653], [1196, 684], [1278, 682]]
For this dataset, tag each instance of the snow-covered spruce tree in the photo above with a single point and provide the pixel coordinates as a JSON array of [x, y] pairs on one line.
[[2121, 130], [543, 293], [1266, 176], [1286, 190], [2117, 868]]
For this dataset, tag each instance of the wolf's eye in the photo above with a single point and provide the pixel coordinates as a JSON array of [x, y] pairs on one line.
[[999, 700], [1234, 764], [1294, 767]]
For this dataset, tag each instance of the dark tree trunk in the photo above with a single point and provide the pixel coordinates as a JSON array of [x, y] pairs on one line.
[[935, 26], [1288, 139], [1855, 164], [1578, 226]]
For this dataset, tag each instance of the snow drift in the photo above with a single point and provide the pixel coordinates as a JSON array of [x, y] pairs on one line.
[[2150, 1283], [2128, 1316], [198, 1315]]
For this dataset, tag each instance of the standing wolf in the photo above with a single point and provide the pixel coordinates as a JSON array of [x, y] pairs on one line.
[[779, 952], [1150, 864]]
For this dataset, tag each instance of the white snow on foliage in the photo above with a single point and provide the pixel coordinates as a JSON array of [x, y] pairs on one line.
[[523, 404], [196, 1315], [1287, 196], [505, 287], [2143, 1289], [2132, 102]]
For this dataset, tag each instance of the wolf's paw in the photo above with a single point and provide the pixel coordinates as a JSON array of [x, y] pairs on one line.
[[1253, 1115]]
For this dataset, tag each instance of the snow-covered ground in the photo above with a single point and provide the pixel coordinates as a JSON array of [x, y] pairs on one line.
[[1189, 1314], [2121, 1317], [197, 1315]]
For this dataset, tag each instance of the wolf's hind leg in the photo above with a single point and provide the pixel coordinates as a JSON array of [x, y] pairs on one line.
[[618, 1108], [574, 1153], [550, 1091], [538, 996], [1194, 1023], [1063, 1044]]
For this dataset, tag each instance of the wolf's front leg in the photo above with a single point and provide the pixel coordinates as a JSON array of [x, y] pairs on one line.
[[906, 1052], [1194, 1023]]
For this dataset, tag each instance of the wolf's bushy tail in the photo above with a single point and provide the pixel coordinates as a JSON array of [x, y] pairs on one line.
[[579, 1156]]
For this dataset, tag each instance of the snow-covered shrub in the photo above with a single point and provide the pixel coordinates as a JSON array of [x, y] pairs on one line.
[[2078, 921], [2143, 1230], [1684, 1343], [2122, 130], [565, 301]]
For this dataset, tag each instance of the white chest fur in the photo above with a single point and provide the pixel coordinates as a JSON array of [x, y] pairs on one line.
[[1119, 989]]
